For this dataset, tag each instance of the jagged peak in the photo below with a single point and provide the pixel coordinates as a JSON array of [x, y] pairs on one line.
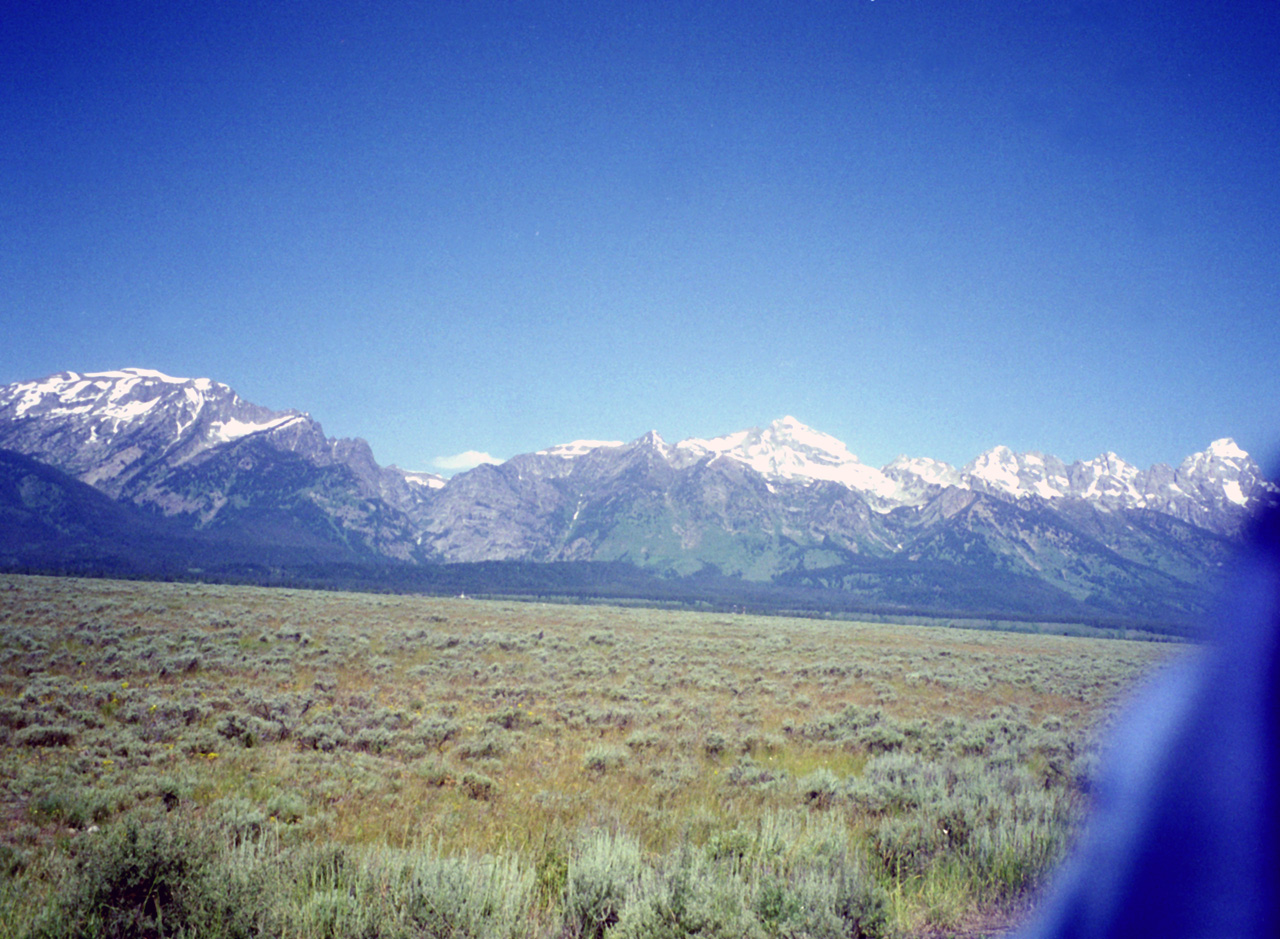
[[997, 457], [651, 439], [1110, 461], [124, 403]]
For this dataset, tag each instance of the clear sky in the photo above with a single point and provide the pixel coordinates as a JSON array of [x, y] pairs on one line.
[[922, 227]]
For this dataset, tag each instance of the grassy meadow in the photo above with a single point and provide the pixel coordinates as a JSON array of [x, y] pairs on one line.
[[212, 761]]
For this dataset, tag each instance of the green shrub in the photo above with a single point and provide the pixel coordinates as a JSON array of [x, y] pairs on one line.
[[690, 897], [603, 759], [249, 731], [72, 806], [478, 786], [238, 817], [645, 739], [747, 772], [734, 844], [846, 725], [150, 880], [820, 788], [508, 718], [287, 807], [906, 845], [466, 898], [325, 734], [603, 873], [882, 738], [715, 743], [431, 771], [45, 735], [821, 903], [373, 739], [437, 731], [492, 742]]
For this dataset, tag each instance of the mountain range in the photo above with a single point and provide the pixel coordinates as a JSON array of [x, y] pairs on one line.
[[139, 472]]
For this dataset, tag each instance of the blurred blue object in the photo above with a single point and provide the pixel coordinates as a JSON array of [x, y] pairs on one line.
[[1184, 838]]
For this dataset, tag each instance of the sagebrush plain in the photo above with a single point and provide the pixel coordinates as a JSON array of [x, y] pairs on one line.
[[184, 759]]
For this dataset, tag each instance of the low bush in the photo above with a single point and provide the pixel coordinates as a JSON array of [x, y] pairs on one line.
[[690, 896], [820, 788], [151, 879], [478, 786], [44, 735], [603, 759], [603, 875]]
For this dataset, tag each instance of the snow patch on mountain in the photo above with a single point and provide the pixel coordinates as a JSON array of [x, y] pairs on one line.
[[125, 395], [228, 430], [999, 466], [420, 479]]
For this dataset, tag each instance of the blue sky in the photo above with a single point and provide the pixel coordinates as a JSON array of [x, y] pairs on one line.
[[924, 228]]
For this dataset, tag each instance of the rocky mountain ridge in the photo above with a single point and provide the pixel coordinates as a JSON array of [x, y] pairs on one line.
[[1211, 488], [779, 504]]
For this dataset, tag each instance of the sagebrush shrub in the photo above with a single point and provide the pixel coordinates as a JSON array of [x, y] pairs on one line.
[[484, 898], [603, 759], [603, 874], [821, 787], [478, 786], [150, 880], [45, 735], [690, 897]]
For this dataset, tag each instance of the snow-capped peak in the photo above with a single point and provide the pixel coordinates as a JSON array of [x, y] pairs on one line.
[[1018, 474], [783, 439], [789, 449], [1220, 456], [1222, 470], [1226, 449], [999, 466]]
